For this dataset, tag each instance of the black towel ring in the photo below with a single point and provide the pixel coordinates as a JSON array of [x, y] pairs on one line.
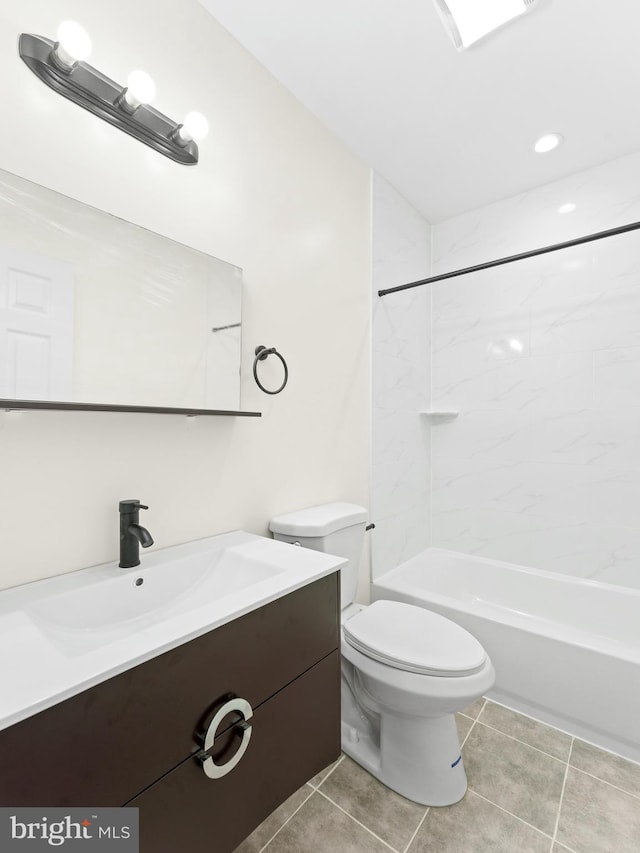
[[261, 354]]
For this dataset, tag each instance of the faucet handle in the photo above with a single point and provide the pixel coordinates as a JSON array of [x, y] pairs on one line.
[[131, 505]]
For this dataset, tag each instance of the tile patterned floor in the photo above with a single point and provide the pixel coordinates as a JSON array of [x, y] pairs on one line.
[[532, 789]]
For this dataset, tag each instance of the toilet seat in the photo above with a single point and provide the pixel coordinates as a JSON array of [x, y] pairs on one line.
[[413, 639]]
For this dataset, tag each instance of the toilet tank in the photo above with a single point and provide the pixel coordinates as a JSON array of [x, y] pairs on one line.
[[335, 528]]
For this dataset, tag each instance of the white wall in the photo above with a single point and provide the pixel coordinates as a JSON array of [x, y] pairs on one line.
[[274, 193], [542, 359], [400, 501]]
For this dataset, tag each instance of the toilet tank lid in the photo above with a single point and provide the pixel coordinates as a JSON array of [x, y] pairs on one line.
[[318, 520]]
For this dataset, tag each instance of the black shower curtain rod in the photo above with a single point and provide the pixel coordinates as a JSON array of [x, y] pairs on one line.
[[578, 241]]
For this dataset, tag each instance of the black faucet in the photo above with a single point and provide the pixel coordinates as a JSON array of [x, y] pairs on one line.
[[132, 534]]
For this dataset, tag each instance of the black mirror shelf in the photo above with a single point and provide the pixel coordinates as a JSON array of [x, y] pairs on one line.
[[15, 405]]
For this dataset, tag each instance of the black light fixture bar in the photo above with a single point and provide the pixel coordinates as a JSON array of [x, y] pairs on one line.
[[555, 247], [89, 88]]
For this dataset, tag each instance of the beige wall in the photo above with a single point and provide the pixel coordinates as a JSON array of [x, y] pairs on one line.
[[274, 193]]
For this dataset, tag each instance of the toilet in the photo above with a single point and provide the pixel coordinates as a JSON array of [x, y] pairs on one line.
[[406, 670]]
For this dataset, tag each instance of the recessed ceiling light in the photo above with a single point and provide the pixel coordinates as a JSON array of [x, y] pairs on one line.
[[569, 207], [470, 20], [547, 142]]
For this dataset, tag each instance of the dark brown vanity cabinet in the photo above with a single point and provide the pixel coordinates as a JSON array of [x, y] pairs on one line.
[[137, 739]]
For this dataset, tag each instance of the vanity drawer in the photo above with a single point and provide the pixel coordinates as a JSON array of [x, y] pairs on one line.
[[108, 743], [295, 734]]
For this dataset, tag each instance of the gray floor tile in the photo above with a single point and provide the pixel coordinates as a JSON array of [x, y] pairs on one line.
[[515, 776], [474, 709], [463, 724], [319, 778], [525, 729], [272, 824], [605, 765], [320, 827], [597, 818], [387, 814], [476, 826]]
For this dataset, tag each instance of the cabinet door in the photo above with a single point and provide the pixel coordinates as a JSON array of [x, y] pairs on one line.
[[295, 734], [110, 742]]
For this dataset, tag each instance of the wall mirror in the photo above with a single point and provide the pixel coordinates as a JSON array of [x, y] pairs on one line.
[[98, 312]]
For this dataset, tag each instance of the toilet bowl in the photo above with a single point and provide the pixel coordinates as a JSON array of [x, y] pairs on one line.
[[406, 670], [398, 717]]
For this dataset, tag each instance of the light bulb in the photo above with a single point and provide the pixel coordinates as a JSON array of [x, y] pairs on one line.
[[74, 44], [140, 89], [195, 126], [547, 143], [569, 207]]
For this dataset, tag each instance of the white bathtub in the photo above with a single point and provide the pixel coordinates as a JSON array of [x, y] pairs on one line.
[[565, 650]]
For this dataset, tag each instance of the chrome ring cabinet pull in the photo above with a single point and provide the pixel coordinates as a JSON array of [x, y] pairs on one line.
[[217, 771]]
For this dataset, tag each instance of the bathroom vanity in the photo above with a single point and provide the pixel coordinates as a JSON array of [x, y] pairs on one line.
[[268, 679]]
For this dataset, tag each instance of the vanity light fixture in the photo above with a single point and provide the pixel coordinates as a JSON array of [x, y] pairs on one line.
[[62, 66], [547, 143], [467, 21]]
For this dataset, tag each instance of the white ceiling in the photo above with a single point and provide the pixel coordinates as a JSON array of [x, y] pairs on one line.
[[453, 131]]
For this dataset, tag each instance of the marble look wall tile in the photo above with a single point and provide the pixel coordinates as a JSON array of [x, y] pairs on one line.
[[504, 436], [399, 385], [400, 486], [402, 327], [556, 491], [400, 438], [399, 537], [398, 489], [614, 496], [605, 196], [587, 322], [540, 358], [562, 381], [623, 568], [600, 552], [485, 533], [467, 516], [616, 378], [587, 437], [616, 262]]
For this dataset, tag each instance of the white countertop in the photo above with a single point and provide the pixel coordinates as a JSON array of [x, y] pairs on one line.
[[44, 661]]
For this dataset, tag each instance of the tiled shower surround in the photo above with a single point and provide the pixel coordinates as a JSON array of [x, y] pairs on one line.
[[542, 360], [400, 446]]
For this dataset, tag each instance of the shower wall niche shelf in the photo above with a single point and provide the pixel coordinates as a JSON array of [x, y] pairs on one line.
[[19, 405], [437, 416]]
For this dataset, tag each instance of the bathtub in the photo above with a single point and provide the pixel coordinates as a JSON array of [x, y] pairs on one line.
[[566, 650]]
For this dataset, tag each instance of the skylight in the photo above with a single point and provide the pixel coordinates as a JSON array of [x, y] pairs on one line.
[[470, 20]]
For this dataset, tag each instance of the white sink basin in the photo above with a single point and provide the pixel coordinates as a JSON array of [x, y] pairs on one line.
[[64, 634], [166, 584]]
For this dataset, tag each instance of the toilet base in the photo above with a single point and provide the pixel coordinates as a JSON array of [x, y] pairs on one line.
[[417, 757]]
